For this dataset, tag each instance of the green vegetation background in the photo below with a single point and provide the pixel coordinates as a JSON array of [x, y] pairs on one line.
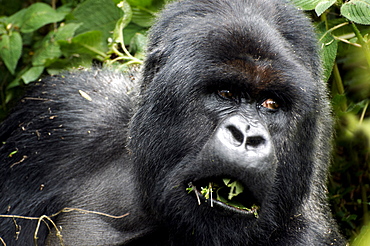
[[40, 37]]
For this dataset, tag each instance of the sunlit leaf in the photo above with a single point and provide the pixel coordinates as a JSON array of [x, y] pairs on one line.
[[357, 11], [322, 6], [306, 4], [11, 50]]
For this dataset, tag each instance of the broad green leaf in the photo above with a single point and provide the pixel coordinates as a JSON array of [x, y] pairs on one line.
[[323, 5], [130, 31], [17, 19], [99, 15], [89, 43], [64, 9], [92, 41], [48, 51], [38, 15], [141, 17], [66, 32], [11, 50], [50, 48], [363, 239], [140, 3], [72, 62], [32, 74], [138, 45], [328, 51], [357, 11], [306, 4]]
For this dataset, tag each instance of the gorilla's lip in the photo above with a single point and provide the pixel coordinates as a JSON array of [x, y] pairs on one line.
[[244, 203]]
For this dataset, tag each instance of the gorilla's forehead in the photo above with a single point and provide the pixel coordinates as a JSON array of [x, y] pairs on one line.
[[248, 70], [214, 31]]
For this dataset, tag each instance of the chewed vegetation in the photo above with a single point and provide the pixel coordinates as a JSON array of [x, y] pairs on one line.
[[224, 192]]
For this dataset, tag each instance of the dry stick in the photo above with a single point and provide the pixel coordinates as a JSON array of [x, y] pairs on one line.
[[196, 194], [2, 241], [58, 234], [43, 217], [195, 190]]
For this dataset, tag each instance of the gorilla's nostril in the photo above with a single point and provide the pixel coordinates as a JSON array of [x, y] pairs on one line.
[[255, 141], [238, 136]]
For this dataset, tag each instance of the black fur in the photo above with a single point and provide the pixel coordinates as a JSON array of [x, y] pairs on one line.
[[133, 152]]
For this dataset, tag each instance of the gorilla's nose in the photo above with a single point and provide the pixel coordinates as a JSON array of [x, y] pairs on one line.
[[238, 131], [243, 142]]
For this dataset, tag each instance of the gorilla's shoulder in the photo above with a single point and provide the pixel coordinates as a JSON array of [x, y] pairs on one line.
[[74, 111], [90, 89], [78, 98]]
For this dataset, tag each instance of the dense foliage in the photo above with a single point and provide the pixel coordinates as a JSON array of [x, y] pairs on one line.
[[45, 37], [345, 42]]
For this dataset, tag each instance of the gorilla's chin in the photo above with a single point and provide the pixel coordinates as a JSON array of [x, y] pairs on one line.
[[226, 195]]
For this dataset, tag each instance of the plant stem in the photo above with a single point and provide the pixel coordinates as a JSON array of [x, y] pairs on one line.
[[364, 44], [339, 86]]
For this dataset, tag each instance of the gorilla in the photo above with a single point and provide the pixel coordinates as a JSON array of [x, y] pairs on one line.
[[223, 138]]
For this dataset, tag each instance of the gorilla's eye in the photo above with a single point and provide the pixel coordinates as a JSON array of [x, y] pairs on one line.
[[229, 95], [270, 104]]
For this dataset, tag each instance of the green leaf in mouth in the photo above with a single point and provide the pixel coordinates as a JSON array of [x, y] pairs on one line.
[[234, 188]]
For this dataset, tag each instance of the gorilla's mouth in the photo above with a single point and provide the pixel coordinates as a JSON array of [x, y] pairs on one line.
[[225, 193]]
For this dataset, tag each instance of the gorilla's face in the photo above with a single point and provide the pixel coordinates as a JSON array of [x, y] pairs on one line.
[[228, 112], [232, 121]]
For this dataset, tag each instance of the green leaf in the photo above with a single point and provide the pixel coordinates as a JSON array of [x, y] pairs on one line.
[[38, 15], [48, 51], [140, 3], [99, 15], [138, 45], [50, 48], [235, 188], [62, 64], [190, 189], [357, 11], [323, 5], [32, 74], [142, 18], [17, 19], [11, 50], [306, 4], [64, 9], [328, 51], [337, 101], [130, 31], [89, 43], [66, 32]]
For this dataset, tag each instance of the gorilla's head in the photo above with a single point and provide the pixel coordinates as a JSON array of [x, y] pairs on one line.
[[231, 102]]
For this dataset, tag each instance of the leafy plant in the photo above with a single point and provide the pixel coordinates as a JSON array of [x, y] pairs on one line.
[[48, 39], [345, 49]]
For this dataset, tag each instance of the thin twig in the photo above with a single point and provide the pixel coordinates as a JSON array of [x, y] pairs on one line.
[[210, 189], [45, 217]]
